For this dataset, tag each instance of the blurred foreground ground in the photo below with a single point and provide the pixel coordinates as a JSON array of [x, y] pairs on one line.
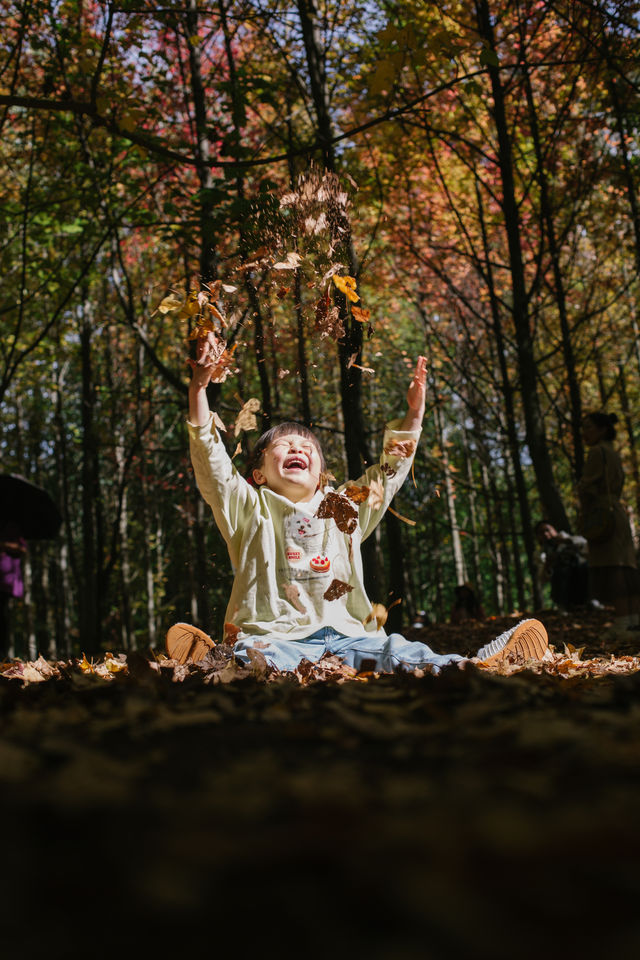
[[470, 814]]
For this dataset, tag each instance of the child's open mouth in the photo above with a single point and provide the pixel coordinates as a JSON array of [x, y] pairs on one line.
[[295, 463]]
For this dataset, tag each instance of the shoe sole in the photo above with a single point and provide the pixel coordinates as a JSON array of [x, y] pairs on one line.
[[185, 642], [529, 641]]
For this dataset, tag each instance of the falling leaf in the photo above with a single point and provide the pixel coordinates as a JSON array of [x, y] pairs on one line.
[[228, 288], [292, 262], [246, 419], [376, 494], [337, 589], [203, 326], [237, 450], [328, 321], [325, 477], [411, 523], [283, 373], [169, 304], [400, 448], [362, 316], [282, 292], [356, 493], [337, 507], [331, 271], [292, 594], [379, 613], [352, 363], [218, 422], [214, 310], [347, 285]]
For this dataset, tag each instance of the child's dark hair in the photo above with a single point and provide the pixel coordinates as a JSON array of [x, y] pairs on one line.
[[606, 421], [289, 426]]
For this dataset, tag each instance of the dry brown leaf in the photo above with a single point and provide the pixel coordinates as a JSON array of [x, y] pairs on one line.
[[292, 262], [231, 632], [326, 477], [362, 316], [357, 493], [399, 448], [337, 589], [376, 494], [411, 523], [338, 507], [223, 367], [246, 419], [218, 422], [292, 594]]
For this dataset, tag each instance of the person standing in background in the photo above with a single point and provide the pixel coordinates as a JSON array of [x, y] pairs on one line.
[[13, 548], [613, 575]]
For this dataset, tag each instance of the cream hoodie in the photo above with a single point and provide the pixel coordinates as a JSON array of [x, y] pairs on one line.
[[284, 557]]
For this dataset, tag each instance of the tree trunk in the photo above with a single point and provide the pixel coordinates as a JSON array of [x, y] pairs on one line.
[[527, 366], [510, 413], [89, 591], [554, 253]]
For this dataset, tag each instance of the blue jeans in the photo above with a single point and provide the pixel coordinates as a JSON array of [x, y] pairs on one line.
[[381, 654]]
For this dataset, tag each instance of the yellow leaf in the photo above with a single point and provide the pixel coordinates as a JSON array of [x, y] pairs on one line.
[[169, 304], [84, 665], [202, 327], [379, 613], [347, 285], [112, 665]]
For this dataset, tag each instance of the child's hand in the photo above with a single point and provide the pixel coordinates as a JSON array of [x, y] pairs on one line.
[[416, 396], [208, 352]]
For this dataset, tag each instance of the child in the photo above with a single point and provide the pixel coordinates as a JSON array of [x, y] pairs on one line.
[[294, 544]]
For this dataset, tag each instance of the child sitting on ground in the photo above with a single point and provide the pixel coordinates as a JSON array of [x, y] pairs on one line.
[[294, 544]]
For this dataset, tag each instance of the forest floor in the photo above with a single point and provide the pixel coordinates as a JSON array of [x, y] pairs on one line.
[[325, 814]]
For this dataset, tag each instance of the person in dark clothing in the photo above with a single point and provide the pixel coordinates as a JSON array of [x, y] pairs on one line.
[[563, 564], [12, 550]]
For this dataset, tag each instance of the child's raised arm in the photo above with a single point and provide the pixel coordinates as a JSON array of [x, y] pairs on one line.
[[208, 352], [416, 397]]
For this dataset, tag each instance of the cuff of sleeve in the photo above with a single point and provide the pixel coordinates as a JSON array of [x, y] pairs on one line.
[[204, 430], [393, 426]]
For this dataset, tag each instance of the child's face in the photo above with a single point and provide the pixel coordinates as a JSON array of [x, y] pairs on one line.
[[290, 467]]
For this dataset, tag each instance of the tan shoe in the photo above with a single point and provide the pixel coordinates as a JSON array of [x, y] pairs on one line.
[[528, 640], [185, 642]]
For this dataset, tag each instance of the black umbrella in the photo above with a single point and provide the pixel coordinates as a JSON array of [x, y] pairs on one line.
[[28, 508]]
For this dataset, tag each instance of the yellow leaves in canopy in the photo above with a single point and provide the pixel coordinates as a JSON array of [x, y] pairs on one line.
[[347, 285]]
